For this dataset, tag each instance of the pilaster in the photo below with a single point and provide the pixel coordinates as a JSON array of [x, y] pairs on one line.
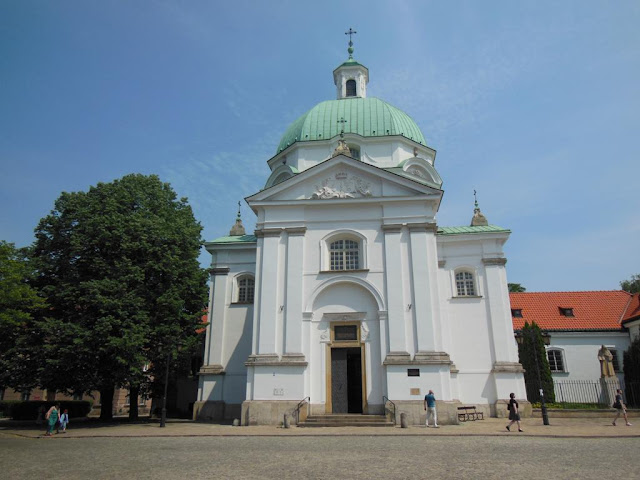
[[268, 306], [394, 289], [293, 300], [220, 280]]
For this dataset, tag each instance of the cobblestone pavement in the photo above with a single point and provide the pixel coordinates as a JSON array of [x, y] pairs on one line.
[[320, 457], [567, 449]]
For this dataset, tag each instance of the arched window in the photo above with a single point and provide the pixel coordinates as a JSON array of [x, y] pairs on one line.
[[465, 285], [281, 178], [556, 360], [355, 151], [343, 250], [351, 88], [344, 255], [245, 289]]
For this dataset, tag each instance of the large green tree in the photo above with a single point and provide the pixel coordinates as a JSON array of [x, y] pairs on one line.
[[516, 288], [632, 285], [18, 303], [631, 362], [119, 267], [533, 356]]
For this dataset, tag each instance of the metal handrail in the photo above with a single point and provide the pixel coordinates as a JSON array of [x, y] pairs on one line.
[[299, 406], [386, 400]]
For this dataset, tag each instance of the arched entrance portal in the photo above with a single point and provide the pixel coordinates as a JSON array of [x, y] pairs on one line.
[[347, 311]]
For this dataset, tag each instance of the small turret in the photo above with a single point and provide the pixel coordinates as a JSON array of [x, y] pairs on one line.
[[351, 78], [478, 218], [238, 229]]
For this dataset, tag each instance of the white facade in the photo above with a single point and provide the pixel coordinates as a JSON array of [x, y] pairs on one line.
[[356, 289]]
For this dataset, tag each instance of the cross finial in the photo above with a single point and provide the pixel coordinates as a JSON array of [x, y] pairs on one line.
[[238, 209], [350, 33], [475, 198], [341, 121]]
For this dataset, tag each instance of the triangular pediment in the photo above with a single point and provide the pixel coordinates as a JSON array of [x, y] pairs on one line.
[[343, 178]]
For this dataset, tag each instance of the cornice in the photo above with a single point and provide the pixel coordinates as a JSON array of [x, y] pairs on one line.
[[494, 261], [219, 271]]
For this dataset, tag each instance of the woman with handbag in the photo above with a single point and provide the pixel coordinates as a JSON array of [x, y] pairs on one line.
[[621, 408], [514, 415]]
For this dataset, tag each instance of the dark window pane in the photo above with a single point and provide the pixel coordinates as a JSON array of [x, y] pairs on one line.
[[345, 332]]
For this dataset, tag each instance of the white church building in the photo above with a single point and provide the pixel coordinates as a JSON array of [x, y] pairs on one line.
[[349, 296]]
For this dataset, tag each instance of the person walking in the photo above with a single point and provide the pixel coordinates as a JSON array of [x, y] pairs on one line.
[[514, 415], [621, 408], [430, 407], [64, 420], [52, 418]]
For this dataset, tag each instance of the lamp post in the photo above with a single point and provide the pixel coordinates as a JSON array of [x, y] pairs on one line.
[[543, 403], [163, 415]]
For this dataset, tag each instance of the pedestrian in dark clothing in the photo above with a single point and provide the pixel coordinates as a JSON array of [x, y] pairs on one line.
[[514, 415]]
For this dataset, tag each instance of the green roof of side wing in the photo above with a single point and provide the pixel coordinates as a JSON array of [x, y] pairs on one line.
[[235, 239], [368, 117], [468, 230]]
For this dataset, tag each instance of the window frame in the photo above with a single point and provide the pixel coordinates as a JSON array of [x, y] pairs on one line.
[[616, 360], [557, 352], [474, 279], [238, 289], [353, 148], [346, 88], [516, 313], [325, 249]]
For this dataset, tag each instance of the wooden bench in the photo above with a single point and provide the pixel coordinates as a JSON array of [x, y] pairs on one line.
[[469, 413]]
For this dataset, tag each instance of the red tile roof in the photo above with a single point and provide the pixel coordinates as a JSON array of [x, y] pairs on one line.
[[633, 309], [600, 310]]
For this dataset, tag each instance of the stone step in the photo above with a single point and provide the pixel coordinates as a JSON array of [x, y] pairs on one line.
[[346, 420], [345, 424]]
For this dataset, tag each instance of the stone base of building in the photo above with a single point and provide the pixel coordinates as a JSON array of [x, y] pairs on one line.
[[499, 409], [447, 411], [269, 412], [217, 411]]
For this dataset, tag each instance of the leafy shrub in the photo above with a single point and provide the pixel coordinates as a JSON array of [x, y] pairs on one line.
[[29, 410], [6, 406]]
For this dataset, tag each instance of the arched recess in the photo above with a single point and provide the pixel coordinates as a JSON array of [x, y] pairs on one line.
[[309, 305], [421, 168], [280, 174]]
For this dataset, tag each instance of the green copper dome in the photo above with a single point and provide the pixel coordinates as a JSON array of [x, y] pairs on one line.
[[368, 117]]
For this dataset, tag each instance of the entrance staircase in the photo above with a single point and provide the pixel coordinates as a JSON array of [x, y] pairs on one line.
[[346, 420]]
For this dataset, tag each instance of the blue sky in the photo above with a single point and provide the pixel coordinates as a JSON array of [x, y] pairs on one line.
[[536, 105]]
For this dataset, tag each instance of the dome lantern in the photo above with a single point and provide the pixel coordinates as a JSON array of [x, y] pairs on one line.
[[351, 78]]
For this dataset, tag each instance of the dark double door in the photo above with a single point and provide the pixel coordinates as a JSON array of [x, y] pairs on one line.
[[346, 380]]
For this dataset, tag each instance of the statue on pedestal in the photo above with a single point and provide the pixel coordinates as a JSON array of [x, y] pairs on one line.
[[606, 363]]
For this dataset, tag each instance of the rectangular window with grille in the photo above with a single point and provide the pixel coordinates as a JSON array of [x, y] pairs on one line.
[[344, 255], [465, 285], [615, 360], [246, 289], [556, 363]]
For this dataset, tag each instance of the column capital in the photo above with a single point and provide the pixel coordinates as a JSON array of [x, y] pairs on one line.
[[494, 261], [421, 227], [391, 227], [295, 230], [268, 232], [219, 271]]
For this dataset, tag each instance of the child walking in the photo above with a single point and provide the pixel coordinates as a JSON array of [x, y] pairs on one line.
[[64, 419]]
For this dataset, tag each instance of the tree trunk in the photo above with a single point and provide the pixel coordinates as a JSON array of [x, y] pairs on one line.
[[133, 402], [106, 403]]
